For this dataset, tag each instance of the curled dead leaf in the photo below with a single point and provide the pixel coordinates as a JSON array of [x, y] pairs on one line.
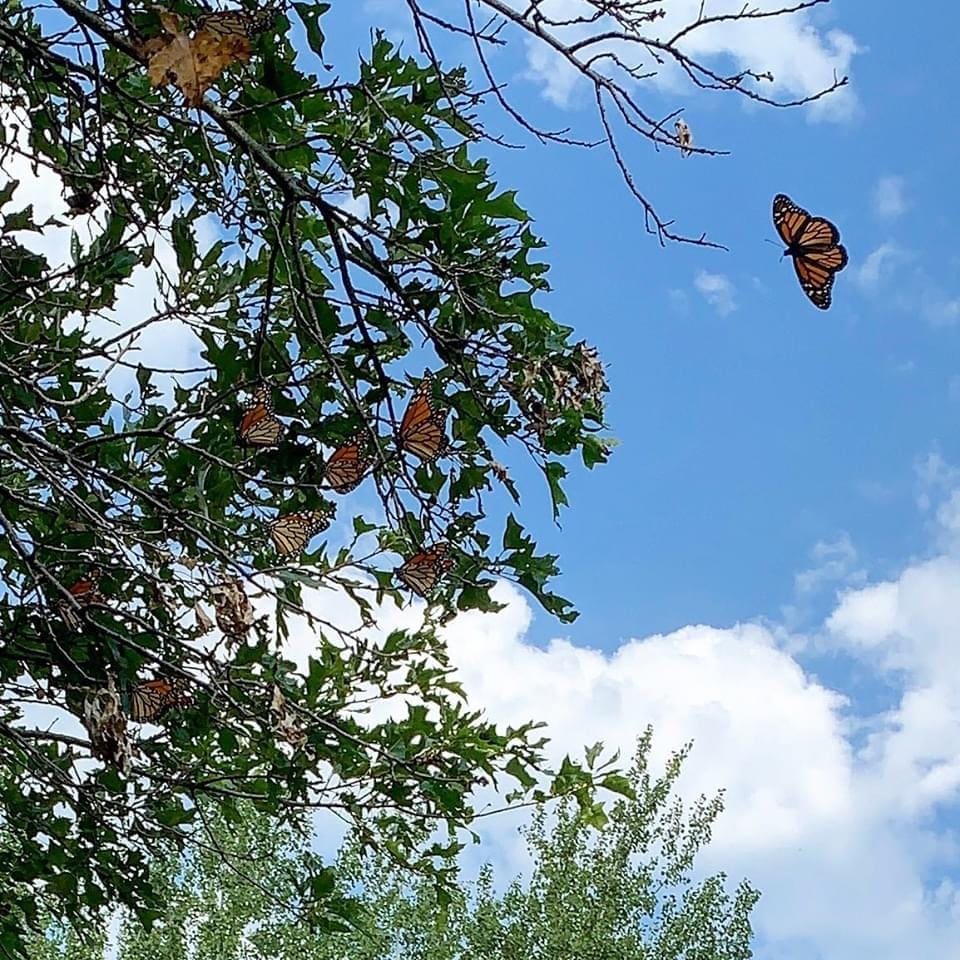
[[283, 724], [107, 725], [204, 623], [233, 609], [194, 61]]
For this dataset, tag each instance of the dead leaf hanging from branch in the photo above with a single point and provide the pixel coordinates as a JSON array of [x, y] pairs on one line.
[[234, 611], [193, 63], [107, 726]]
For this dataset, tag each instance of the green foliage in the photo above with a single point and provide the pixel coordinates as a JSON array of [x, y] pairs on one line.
[[626, 891], [234, 218]]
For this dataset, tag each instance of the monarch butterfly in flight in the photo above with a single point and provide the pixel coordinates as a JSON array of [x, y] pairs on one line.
[[814, 244], [85, 592], [259, 427], [422, 427], [347, 465], [423, 570], [292, 533], [152, 699]]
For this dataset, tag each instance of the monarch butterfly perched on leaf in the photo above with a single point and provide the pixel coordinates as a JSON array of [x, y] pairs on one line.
[[259, 427], [422, 427], [85, 592], [425, 569], [152, 699], [227, 24], [292, 533], [347, 465], [814, 244]]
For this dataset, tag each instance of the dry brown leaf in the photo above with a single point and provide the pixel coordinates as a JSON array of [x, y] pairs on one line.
[[107, 726], [284, 725], [233, 609], [192, 63], [204, 623]]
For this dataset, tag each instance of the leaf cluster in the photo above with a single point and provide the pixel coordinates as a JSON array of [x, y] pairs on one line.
[[332, 240]]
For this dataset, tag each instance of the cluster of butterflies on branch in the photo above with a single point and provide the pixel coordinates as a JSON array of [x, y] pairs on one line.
[[149, 700], [422, 432]]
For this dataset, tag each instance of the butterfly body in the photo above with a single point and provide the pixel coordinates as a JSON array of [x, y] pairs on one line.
[[814, 245]]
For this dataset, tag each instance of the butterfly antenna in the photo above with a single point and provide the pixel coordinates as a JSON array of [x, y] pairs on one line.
[[775, 244]]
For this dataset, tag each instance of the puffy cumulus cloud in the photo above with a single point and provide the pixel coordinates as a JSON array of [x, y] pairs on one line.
[[829, 807], [718, 290], [717, 687], [802, 58], [906, 627]]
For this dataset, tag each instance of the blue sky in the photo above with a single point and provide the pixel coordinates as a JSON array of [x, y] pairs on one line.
[[748, 436]]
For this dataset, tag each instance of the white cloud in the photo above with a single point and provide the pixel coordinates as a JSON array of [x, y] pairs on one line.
[[40, 188], [889, 201], [834, 561], [935, 479], [802, 58], [941, 311], [717, 290], [837, 839], [907, 628], [879, 266], [168, 343]]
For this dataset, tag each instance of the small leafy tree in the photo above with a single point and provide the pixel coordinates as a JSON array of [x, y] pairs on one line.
[[623, 891], [330, 248]]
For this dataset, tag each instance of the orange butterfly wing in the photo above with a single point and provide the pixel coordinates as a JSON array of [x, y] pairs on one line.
[[86, 592], [85, 589], [347, 466], [294, 531], [816, 271], [814, 244], [259, 427], [423, 570], [422, 430], [225, 24], [153, 698]]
